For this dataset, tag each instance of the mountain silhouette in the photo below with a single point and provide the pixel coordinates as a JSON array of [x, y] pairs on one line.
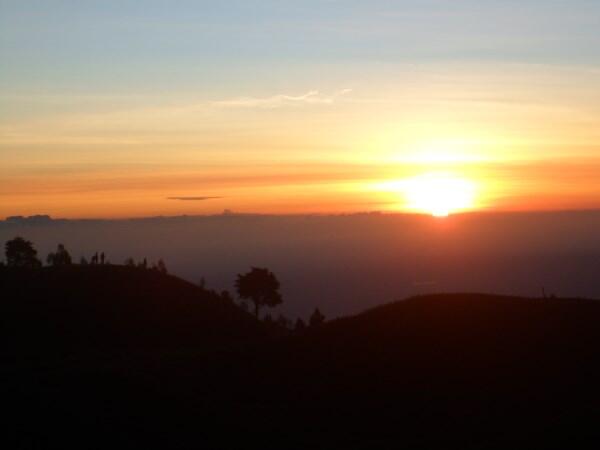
[[84, 308], [114, 356]]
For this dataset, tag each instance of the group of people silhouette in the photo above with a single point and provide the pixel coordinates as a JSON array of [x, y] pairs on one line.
[[98, 259]]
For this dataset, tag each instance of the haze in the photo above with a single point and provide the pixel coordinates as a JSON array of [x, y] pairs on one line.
[[347, 263]]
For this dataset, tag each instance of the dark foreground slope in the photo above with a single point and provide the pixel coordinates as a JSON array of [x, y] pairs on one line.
[[450, 371], [66, 309]]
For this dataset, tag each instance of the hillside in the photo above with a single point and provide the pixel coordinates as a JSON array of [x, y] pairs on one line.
[[472, 330], [464, 370], [443, 371], [114, 307]]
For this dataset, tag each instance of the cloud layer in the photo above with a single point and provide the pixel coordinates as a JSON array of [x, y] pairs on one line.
[[193, 199], [313, 97]]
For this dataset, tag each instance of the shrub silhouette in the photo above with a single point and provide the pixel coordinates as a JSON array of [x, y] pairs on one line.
[[20, 253], [268, 319], [226, 297], [59, 258], [161, 266], [129, 262], [300, 325], [284, 322], [260, 286], [317, 318]]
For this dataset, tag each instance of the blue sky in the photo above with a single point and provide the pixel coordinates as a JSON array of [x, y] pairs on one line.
[[123, 45]]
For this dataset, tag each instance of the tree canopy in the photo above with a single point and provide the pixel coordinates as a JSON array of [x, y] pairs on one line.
[[260, 286], [21, 253]]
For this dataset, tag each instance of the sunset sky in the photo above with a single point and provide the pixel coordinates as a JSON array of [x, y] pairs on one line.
[[128, 108]]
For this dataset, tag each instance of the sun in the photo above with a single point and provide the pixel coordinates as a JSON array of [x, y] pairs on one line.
[[438, 194]]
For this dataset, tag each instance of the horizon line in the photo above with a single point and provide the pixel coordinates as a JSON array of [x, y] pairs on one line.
[[44, 218]]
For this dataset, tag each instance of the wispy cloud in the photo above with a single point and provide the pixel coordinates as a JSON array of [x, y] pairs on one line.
[[313, 97], [193, 199]]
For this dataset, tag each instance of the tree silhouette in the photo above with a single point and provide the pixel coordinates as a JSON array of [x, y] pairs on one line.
[[60, 258], [260, 286], [317, 318], [129, 262], [20, 253]]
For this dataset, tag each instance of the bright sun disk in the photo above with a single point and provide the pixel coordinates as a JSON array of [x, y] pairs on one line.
[[438, 194]]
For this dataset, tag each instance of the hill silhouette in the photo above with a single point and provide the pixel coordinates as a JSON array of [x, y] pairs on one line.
[[162, 363], [86, 308]]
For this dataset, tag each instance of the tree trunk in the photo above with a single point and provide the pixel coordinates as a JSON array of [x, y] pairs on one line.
[[256, 309]]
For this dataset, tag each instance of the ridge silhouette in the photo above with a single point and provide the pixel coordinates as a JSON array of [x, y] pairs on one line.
[[104, 354]]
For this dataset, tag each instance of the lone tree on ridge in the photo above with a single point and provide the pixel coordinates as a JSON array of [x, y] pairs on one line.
[[261, 287]]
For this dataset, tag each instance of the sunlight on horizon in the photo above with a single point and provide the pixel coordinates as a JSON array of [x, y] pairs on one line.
[[439, 194]]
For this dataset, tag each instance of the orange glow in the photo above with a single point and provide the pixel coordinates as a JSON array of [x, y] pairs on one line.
[[434, 140], [437, 193]]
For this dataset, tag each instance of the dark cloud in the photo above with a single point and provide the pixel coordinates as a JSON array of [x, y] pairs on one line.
[[193, 199]]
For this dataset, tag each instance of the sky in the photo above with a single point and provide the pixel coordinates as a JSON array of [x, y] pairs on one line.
[[124, 108]]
